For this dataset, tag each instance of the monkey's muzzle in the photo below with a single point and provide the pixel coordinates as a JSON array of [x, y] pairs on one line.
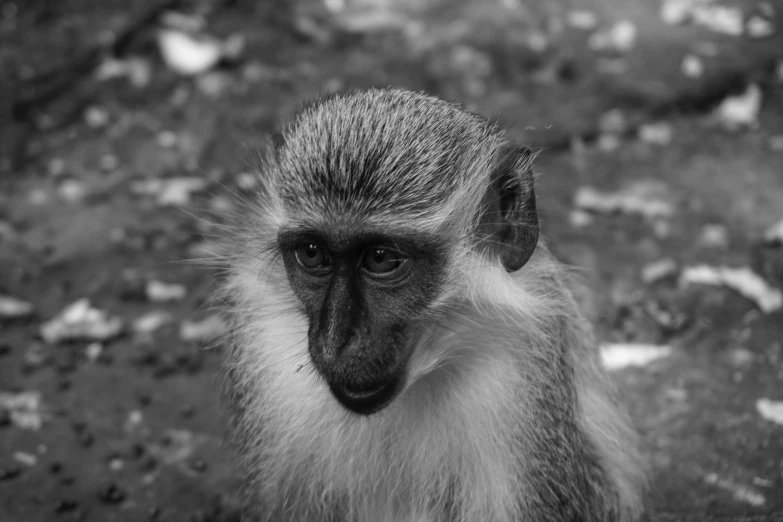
[[368, 397]]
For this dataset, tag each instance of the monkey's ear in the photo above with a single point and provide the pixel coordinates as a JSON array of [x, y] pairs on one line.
[[509, 223]]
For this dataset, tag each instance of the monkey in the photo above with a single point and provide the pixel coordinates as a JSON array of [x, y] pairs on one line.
[[404, 347]]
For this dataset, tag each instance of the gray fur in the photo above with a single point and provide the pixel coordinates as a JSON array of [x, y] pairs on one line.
[[508, 417]]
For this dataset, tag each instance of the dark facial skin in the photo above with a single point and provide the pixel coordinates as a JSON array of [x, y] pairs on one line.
[[362, 293]]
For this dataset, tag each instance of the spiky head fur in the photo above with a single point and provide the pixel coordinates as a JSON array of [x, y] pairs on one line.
[[507, 415]]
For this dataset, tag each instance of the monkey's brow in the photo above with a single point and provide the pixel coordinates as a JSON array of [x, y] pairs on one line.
[[414, 244]]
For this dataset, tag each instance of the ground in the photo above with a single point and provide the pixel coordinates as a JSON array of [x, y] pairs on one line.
[[131, 427]]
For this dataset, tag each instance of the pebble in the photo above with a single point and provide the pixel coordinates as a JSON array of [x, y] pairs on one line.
[[659, 133], [160, 292], [96, 117], [740, 111], [659, 270], [13, 308], [692, 66], [758, 27], [188, 54], [582, 19], [714, 236]]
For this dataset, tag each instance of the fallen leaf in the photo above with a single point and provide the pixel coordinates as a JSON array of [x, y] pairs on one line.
[[621, 37], [742, 280], [208, 329], [770, 410], [151, 321], [721, 19], [620, 356], [741, 111], [188, 54], [13, 308], [714, 236], [676, 12], [582, 19], [692, 66], [659, 270], [160, 292], [738, 491], [28, 459], [23, 408], [758, 27], [93, 351], [80, 321], [659, 133], [645, 197], [170, 191]]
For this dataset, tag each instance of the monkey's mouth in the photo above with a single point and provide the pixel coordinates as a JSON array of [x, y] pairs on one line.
[[366, 399]]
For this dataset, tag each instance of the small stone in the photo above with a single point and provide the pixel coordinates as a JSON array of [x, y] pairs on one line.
[[758, 27], [198, 465], [116, 464], [93, 351], [659, 270], [676, 12], [608, 142], [56, 167], [613, 121], [233, 47], [721, 19], [167, 139], [37, 197], [621, 37], [109, 162], [714, 236], [208, 329], [188, 54], [150, 322], [96, 117], [214, 84], [659, 133], [72, 191], [582, 19], [28, 459], [160, 292], [692, 66], [580, 219], [740, 111], [80, 321], [13, 308]]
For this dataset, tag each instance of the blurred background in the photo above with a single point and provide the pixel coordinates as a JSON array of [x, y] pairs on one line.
[[127, 124]]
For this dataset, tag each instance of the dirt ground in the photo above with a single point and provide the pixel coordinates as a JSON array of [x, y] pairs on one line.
[[116, 166]]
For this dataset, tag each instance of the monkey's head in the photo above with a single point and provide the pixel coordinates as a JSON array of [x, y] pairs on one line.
[[373, 199]]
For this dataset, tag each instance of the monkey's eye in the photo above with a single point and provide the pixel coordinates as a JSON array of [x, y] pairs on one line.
[[381, 260], [310, 255]]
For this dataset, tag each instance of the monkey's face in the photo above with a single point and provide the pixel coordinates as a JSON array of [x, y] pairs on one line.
[[374, 197], [362, 293]]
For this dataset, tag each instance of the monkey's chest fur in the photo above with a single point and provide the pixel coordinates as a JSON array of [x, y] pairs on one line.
[[447, 449]]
